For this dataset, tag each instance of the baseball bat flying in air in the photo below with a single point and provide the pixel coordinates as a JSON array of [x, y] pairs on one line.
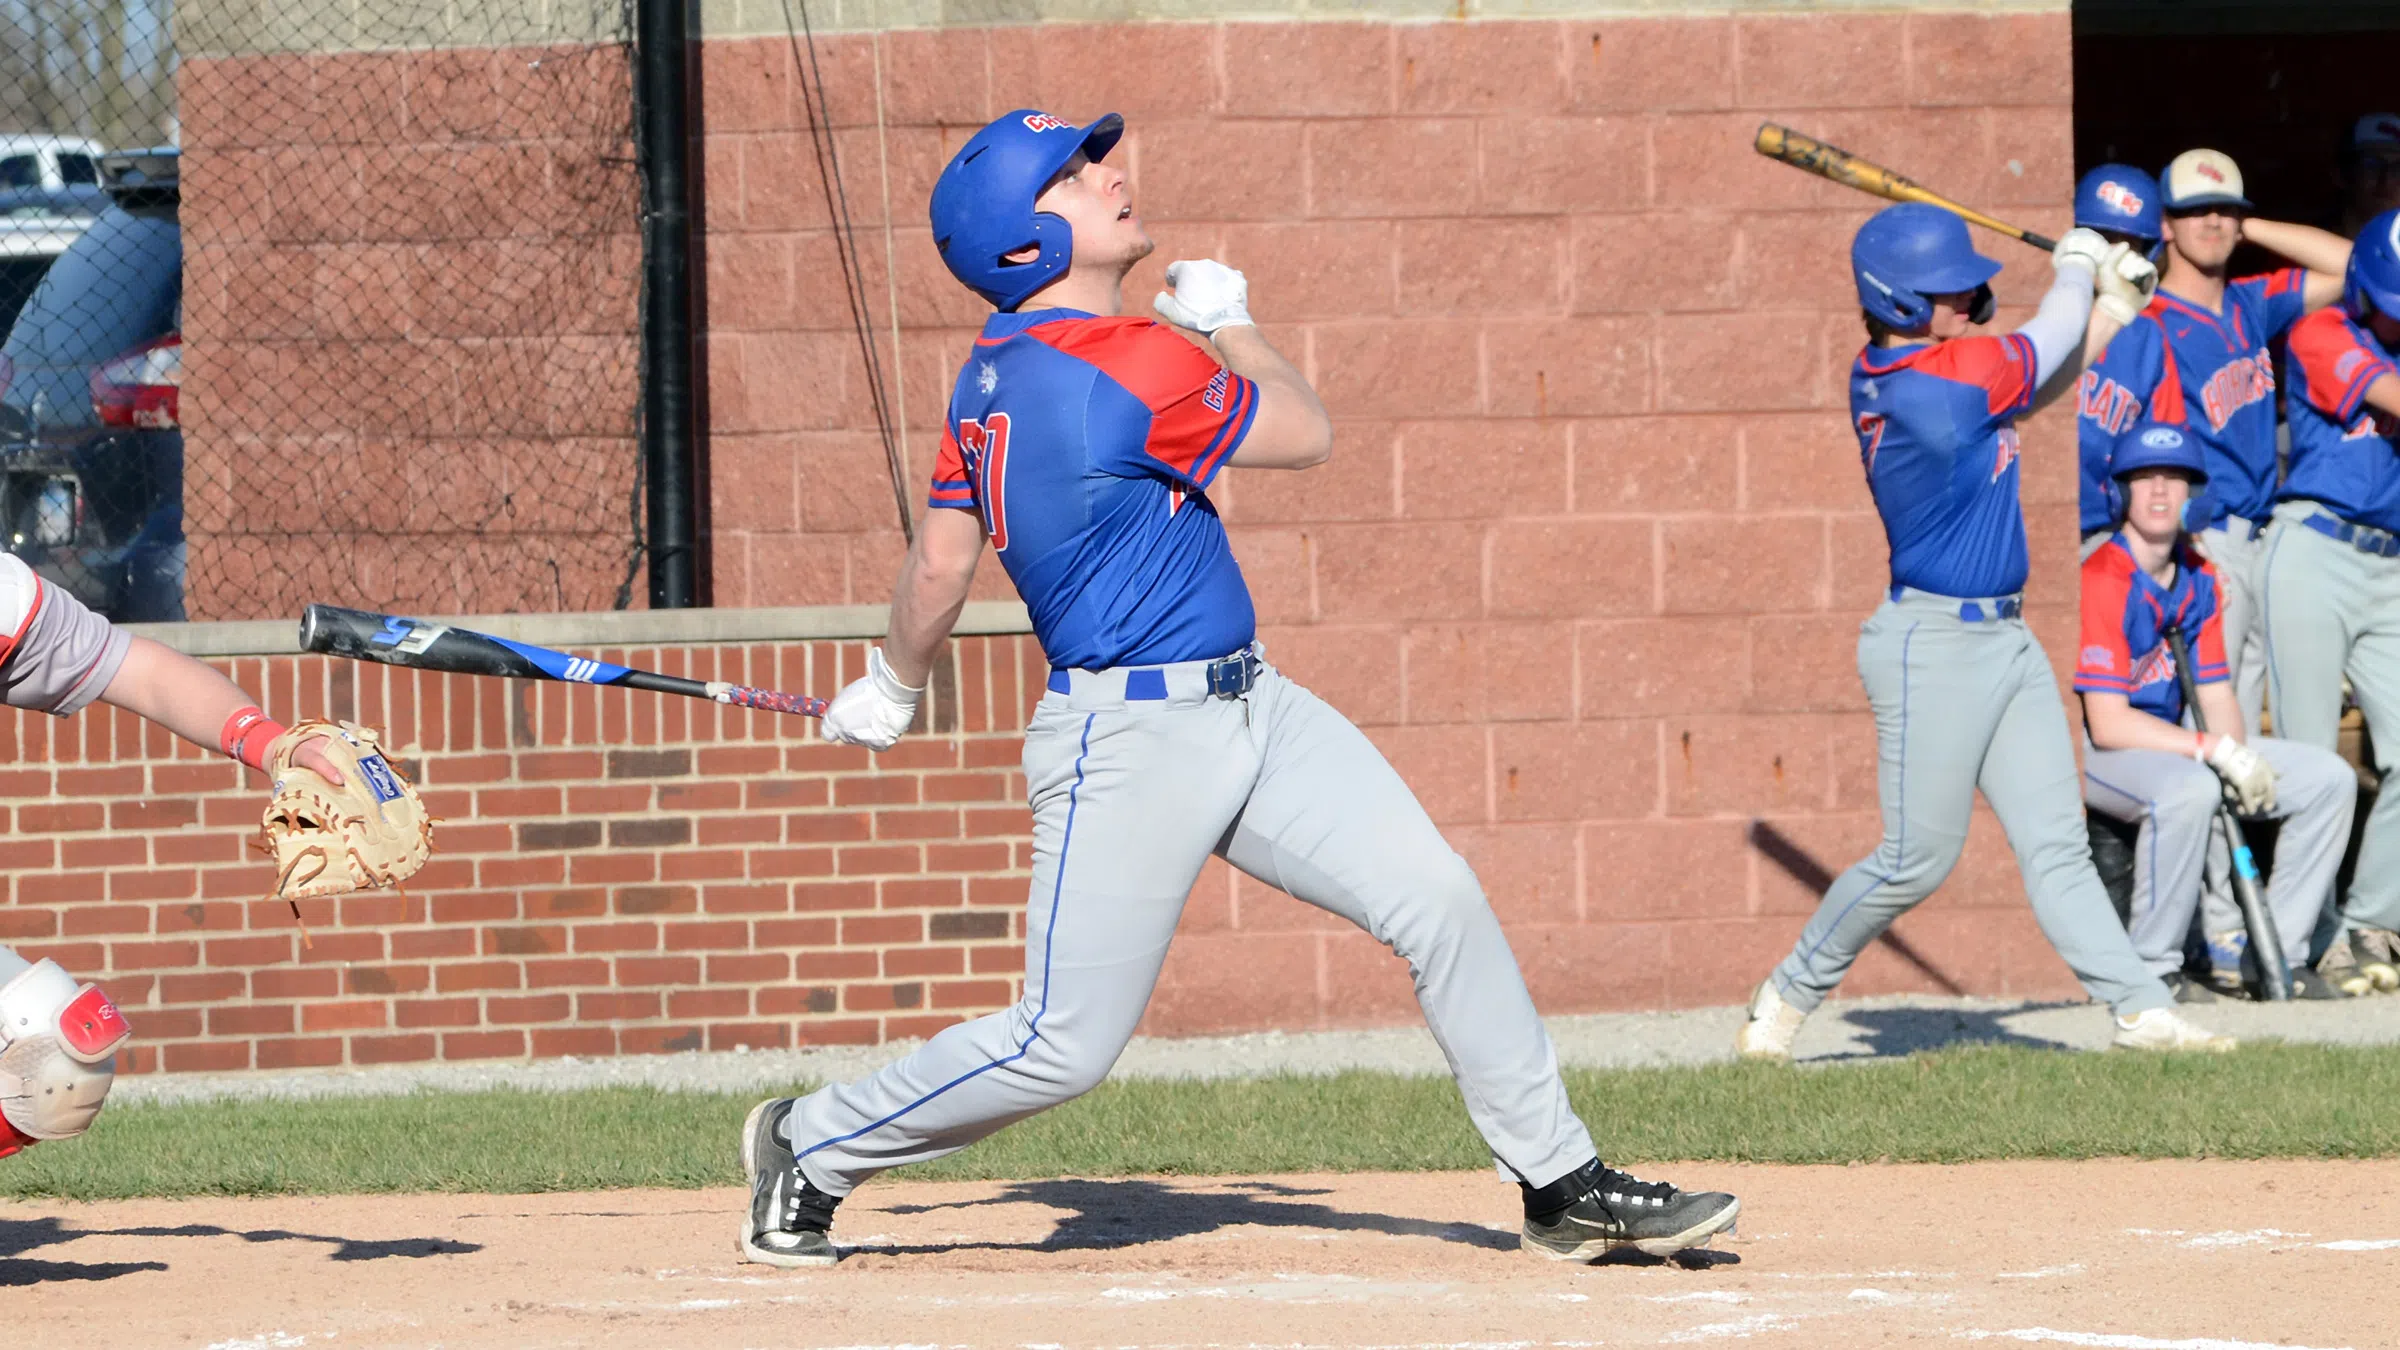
[[2265, 943], [1827, 161], [395, 641]]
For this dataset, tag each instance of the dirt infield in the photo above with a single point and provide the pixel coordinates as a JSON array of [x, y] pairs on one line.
[[2144, 1256]]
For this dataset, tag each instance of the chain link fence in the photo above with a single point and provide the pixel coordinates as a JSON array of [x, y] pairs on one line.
[[307, 300]]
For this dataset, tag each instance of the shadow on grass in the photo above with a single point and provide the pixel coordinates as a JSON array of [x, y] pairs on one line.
[[20, 1236], [1892, 1033], [1104, 1215]]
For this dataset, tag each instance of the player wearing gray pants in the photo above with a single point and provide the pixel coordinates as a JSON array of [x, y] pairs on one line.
[[1961, 705], [1963, 695], [2174, 799], [1080, 444]]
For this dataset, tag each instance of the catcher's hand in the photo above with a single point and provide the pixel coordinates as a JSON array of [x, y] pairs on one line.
[[365, 831]]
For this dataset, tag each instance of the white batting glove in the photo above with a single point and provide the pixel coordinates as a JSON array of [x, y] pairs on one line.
[[2127, 280], [872, 711], [1208, 296], [2246, 772], [2081, 248]]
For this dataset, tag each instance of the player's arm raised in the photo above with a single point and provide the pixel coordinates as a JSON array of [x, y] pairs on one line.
[[1291, 430], [2325, 254]]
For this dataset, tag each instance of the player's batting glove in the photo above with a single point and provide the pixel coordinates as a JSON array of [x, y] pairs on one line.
[[874, 710], [1208, 296], [2246, 772], [2127, 281], [2081, 248]]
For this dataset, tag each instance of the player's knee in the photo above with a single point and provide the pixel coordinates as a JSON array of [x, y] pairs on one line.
[[57, 1039], [2189, 798], [1917, 862], [1064, 1068]]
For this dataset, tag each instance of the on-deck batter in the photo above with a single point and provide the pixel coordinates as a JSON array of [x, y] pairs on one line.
[[1082, 442], [1963, 695]]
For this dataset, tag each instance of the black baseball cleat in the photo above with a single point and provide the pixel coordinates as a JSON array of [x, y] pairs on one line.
[[1594, 1210], [789, 1220]]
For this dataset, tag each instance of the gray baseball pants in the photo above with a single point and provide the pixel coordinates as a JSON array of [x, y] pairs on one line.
[[1129, 798], [2332, 611], [2174, 798], [1965, 704]]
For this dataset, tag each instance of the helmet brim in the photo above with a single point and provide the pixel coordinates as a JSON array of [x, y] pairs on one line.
[[1102, 136], [1964, 276]]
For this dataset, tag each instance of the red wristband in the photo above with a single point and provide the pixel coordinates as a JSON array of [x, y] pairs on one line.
[[247, 735]]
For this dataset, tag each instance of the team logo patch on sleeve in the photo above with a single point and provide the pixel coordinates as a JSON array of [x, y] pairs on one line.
[[2347, 366], [2099, 658], [1213, 397]]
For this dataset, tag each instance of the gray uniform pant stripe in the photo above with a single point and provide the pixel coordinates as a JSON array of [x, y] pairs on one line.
[[2333, 611], [2174, 799], [1959, 707], [1129, 800]]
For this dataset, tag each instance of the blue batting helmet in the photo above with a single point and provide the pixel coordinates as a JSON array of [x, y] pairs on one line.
[[2157, 445], [2120, 199], [982, 207], [2371, 284], [1910, 251]]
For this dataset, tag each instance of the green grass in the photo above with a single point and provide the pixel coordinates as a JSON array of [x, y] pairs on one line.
[[2265, 1101]]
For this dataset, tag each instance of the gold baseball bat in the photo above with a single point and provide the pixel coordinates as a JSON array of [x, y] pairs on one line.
[[1829, 161]]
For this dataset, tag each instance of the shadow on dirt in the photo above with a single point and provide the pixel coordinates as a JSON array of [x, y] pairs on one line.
[[20, 1236], [1890, 1033], [1102, 1215]]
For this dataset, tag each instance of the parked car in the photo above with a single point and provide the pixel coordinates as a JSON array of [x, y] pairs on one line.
[[49, 161], [91, 447], [37, 225]]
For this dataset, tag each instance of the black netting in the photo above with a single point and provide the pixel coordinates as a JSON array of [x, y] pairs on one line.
[[319, 301]]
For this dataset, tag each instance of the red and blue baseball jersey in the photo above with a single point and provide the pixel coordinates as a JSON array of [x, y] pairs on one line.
[[2227, 377], [2106, 407], [1087, 445], [2126, 618], [2345, 454], [1936, 428]]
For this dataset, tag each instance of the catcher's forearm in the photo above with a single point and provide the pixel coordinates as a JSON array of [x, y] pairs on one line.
[[185, 696]]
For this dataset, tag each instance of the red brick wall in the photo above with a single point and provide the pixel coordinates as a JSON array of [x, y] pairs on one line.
[[1591, 554], [615, 873]]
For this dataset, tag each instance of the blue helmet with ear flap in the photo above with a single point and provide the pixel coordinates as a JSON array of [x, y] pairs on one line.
[[1911, 251], [982, 208], [2121, 199], [2371, 284], [2157, 445]]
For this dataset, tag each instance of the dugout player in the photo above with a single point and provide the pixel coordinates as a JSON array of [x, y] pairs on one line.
[[2367, 167], [1964, 698], [58, 1038], [1082, 442], [2199, 356], [2333, 560], [2146, 768], [2121, 204]]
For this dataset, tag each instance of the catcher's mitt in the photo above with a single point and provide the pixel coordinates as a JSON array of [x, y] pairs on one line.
[[372, 831]]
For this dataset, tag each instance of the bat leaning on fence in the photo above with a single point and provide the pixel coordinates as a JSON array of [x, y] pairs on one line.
[[395, 641]]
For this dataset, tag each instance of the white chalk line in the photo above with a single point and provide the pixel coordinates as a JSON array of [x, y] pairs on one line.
[[2103, 1340]]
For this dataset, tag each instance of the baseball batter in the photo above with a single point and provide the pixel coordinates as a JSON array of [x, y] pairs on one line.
[[1082, 443], [2203, 344], [1964, 698], [2333, 560], [59, 1038], [2146, 768]]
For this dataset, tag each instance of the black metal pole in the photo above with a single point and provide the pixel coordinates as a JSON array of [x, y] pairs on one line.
[[662, 113]]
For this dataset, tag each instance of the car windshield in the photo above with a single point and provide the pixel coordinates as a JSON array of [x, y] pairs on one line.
[[73, 168], [114, 287], [18, 277], [20, 171]]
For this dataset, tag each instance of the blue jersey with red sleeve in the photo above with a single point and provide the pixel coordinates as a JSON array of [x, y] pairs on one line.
[[2345, 454], [2135, 380], [1936, 427], [1087, 445], [2126, 617], [2228, 379]]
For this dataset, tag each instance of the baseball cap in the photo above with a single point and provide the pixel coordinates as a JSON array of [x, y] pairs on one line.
[[2199, 178], [2375, 131]]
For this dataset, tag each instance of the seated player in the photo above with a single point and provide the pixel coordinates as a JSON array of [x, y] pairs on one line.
[[2333, 561], [59, 1038], [1964, 697], [2146, 768]]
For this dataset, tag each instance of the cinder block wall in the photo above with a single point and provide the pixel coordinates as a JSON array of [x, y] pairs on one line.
[[1588, 562]]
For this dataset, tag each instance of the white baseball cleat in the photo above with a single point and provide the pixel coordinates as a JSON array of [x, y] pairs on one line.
[[1772, 1025], [2161, 1029]]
